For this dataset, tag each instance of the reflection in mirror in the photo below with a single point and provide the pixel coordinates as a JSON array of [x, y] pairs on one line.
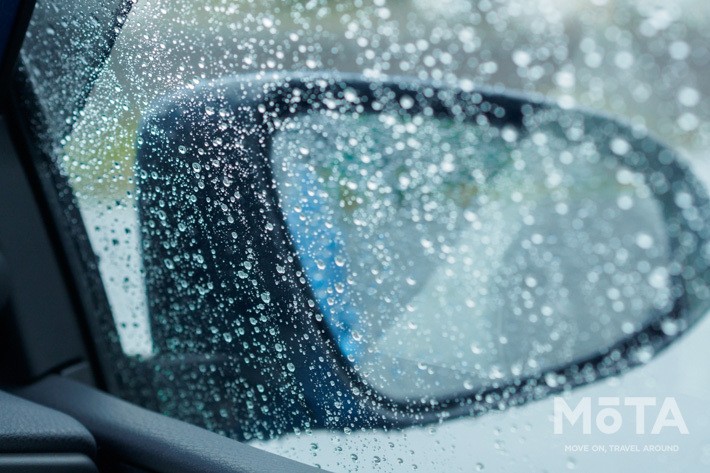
[[449, 257]]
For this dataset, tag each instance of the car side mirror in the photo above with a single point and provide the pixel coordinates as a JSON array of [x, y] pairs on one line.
[[340, 252]]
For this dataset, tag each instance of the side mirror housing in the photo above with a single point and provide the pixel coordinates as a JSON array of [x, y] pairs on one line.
[[340, 252]]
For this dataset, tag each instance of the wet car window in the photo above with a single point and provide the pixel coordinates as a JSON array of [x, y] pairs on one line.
[[326, 282]]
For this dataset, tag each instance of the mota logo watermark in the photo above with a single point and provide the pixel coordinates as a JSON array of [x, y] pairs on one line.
[[610, 413]]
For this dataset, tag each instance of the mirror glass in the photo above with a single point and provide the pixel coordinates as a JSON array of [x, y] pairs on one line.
[[450, 256]]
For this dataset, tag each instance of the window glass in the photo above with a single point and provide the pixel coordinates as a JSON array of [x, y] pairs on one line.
[[400, 231]]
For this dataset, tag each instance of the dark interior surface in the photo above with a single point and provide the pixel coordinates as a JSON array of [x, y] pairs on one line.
[[132, 435], [37, 438], [38, 329]]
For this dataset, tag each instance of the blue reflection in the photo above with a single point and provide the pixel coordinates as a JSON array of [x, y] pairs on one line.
[[319, 245]]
